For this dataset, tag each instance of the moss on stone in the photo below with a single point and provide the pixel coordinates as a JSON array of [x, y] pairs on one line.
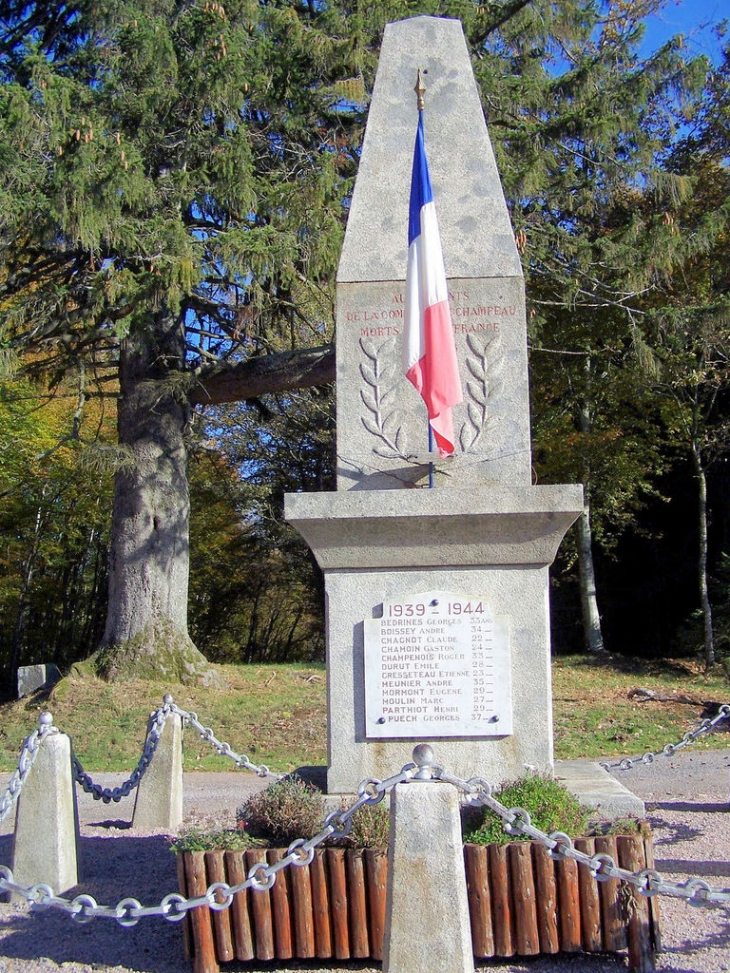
[[85, 669], [158, 652]]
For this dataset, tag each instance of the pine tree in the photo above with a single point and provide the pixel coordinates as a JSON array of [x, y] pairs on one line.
[[580, 123], [173, 189], [172, 207]]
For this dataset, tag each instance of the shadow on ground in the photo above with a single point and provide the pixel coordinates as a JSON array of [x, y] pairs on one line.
[[110, 868]]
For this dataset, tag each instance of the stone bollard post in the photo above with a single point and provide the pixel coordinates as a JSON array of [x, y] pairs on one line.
[[427, 911], [159, 802], [46, 819]]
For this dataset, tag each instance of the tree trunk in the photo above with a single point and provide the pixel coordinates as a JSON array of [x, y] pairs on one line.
[[146, 634], [592, 635], [28, 571], [708, 634]]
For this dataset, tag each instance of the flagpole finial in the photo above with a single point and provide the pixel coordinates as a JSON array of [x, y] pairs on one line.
[[420, 90]]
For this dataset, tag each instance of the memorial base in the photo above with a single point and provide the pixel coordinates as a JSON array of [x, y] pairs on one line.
[[490, 547]]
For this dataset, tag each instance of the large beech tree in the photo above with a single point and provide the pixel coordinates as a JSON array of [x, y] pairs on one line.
[[173, 188], [172, 191]]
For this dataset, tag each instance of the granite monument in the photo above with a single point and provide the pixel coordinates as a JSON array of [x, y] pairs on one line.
[[436, 599]]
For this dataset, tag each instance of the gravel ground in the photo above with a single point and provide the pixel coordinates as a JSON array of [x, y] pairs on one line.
[[687, 804]]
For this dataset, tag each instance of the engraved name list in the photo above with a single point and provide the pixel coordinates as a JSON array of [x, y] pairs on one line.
[[437, 665]]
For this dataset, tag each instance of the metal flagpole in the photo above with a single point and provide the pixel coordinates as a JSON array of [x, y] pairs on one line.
[[420, 89]]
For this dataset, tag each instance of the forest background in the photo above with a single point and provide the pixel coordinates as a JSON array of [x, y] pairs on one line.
[[174, 186]]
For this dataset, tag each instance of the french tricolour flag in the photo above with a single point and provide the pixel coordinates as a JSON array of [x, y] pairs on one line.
[[429, 353]]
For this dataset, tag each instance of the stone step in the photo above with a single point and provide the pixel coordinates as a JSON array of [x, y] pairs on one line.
[[595, 787]]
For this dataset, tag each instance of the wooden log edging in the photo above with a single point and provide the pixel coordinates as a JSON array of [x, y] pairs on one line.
[[522, 902]]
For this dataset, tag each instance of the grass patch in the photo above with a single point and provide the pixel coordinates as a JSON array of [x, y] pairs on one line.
[[595, 717], [216, 839], [276, 714]]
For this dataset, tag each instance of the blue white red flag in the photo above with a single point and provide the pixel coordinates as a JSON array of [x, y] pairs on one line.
[[429, 352]]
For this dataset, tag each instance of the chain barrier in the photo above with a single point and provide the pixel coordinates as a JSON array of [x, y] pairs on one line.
[[706, 726], [157, 723], [28, 753], [219, 895], [239, 759], [109, 794], [517, 821], [477, 791]]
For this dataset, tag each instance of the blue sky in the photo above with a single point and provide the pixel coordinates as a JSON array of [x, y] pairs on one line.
[[690, 18]]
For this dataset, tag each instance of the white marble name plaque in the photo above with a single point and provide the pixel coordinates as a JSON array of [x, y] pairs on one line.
[[437, 665]]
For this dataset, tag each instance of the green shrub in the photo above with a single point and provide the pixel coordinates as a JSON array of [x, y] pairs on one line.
[[202, 839], [287, 810], [550, 806], [291, 809], [370, 828]]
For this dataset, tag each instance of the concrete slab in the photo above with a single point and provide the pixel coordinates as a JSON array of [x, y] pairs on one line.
[[33, 678], [595, 787]]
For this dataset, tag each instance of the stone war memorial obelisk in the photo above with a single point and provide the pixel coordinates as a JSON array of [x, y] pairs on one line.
[[436, 598]]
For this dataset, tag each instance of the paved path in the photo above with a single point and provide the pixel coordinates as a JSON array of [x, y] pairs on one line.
[[686, 797]]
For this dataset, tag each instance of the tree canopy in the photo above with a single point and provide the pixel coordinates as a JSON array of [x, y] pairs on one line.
[[173, 202], [174, 185]]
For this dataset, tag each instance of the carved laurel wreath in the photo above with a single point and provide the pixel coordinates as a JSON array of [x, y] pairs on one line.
[[383, 420], [486, 370], [381, 377]]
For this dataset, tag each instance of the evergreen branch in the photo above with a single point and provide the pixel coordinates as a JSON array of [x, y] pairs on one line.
[[506, 12]]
